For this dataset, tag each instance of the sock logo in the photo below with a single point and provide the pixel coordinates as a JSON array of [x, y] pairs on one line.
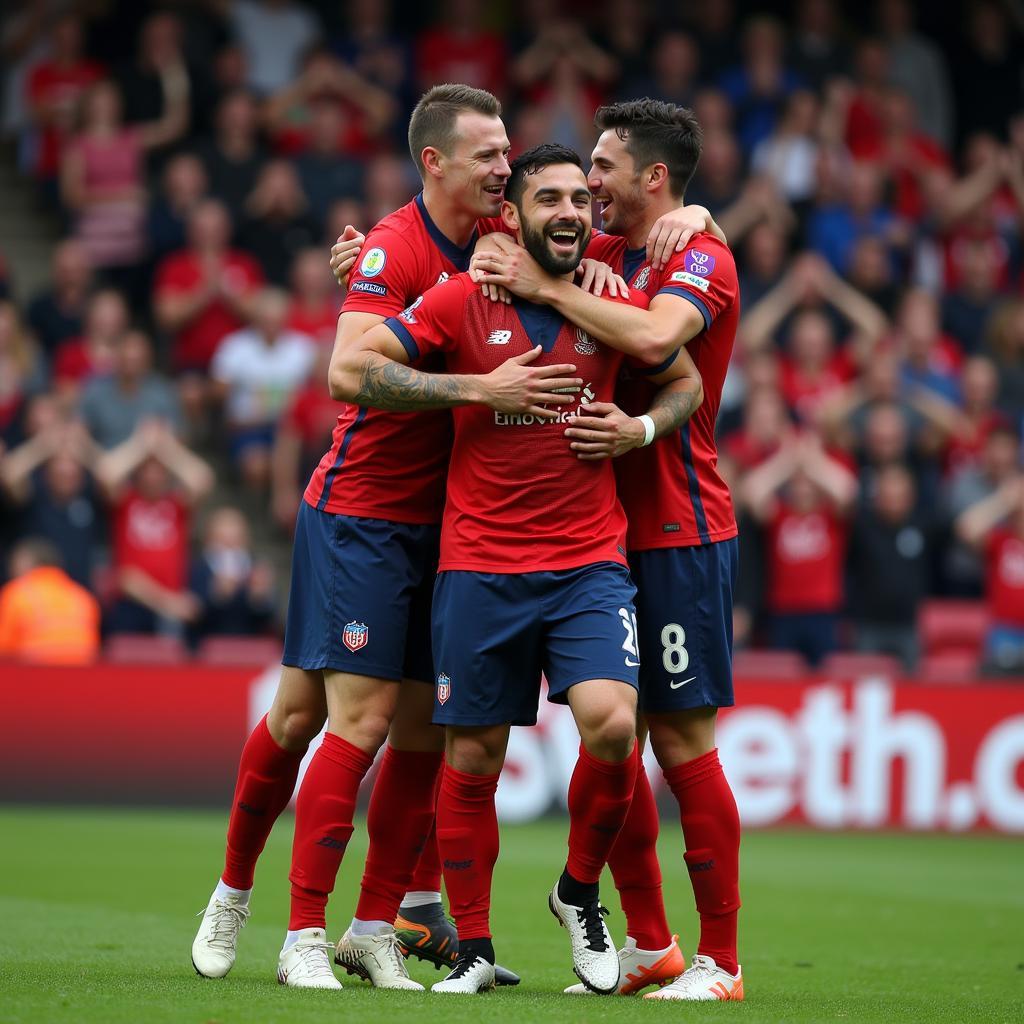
[[332, 843], [608, 830], [459, 865], [702, 865], [249, 809]]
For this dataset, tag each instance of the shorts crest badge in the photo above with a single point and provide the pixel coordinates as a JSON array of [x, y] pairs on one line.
[[444, 688], [355, 636]]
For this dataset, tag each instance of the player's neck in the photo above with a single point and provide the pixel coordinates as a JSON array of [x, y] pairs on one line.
[[454, 222], [636, 236]]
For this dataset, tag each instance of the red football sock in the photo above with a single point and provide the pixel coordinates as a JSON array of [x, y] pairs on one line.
[[599, 797], [323, 827], [711, 831], [266, 781], [400, 823], [467, 835], [635, 868], [427, 876]]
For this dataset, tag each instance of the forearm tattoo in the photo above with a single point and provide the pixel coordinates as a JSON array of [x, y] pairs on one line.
[[670, 409], [385, 384]]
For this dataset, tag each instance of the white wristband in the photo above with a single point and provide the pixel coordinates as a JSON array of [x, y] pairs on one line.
[[648, 429]]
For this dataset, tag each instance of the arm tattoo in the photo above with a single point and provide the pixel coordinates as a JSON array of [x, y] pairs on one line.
[[385, 384], [671, 408]]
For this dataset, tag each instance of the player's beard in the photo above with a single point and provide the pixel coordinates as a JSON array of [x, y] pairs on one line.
[[625, 210], [536, 243]]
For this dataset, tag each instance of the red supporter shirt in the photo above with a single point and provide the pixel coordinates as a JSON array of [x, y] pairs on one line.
[[518, 498], [806, 394], [54, 86], [321, 324], [312, 413], [182, 273], [475, 58], [152, 535], [388, 465], [672, 492], [1005, 552], [805, 561]]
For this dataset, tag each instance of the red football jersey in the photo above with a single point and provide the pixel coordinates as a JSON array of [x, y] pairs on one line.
[[391, 465], [805, 561], [672, 491], [1006, 578], [152, 535], [518, 498]]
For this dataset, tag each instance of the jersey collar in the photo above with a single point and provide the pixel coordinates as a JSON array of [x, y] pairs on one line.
[[632, 261], [458, 257], [541, 323]]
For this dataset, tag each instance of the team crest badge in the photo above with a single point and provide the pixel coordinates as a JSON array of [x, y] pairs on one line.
[[444, 688], [584, 345], [356, 635], [373, 262], [642, 278]]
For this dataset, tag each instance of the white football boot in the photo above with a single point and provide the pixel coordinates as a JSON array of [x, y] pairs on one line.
[[704, 982], [468, 977], [594, 959], [376, 959], [213, 950], [639, 968], [307, 963]]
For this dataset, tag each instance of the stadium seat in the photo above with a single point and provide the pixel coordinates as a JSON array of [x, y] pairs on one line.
[[761, 664], [851, 664], [240, 650], [945, 624], [953, 665], [142, 649]]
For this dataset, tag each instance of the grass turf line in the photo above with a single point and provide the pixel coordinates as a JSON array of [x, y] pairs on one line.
[[96, 909]]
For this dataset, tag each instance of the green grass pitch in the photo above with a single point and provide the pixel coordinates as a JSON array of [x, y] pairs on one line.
[[96, 922]]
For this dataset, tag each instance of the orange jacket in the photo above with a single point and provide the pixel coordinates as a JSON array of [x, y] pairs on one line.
[[46, 617]]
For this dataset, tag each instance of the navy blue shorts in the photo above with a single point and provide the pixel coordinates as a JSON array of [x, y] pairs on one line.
[[494, 633], [360, 596], [684, 608]]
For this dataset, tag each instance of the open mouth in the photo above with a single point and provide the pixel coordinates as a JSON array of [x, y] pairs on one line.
[[603, 204], [497, 191], [563, 239]]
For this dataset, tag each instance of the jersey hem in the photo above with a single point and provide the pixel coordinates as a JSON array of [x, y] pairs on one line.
[[519, 569], [692, 540], [367, 512]]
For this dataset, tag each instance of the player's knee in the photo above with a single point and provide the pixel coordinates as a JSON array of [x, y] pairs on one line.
[[613, 736], [476, 753], [294, 729]]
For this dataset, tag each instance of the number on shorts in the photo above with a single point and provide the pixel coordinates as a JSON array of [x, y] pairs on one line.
[[629, 624], [674, 656]]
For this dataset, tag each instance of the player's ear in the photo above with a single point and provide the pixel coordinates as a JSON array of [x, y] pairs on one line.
[[510, 215], [432, 161], [655, 177]]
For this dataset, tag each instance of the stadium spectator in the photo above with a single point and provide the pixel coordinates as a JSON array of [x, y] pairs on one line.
[[918, 68], [57, 313], [818, 49], [459, 49], [966, 309], [871, 270], [21, 370], [235, 591], [106, 319], [764, 261], [303, 435], [23, 44], [766, 426], [152, 482], [103, 176], [389, 184], [624, 32], [1006, 343], [234, 153], [673, 73], [273, 36], [183, 184], [256, 369], [49, 482], [204, 292], [277, 223], [315, 301], [928, 358], [45, 617], [788, 157], [995, 525], [892, 549], [114, 404], [55, 85], [717, 36], [801, 496]]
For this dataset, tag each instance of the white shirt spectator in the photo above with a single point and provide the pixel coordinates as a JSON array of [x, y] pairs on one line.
[[274, 37], [260, 378]]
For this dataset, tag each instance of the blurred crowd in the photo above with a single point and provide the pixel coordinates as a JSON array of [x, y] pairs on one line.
[[201, 155]]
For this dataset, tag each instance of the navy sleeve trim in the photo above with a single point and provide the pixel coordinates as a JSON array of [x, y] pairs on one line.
[[653, 371], [698, 302], [401, 332]]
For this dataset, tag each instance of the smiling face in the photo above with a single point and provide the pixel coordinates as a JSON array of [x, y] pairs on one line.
[[614, 180], [474, 172], [553, 217]]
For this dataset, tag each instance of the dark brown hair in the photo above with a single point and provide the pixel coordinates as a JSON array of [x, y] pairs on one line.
[[433, 120]]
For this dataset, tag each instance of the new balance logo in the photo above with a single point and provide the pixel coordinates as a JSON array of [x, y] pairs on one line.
[[702, 865], [499, 338], [332, 844], [459, 865]]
